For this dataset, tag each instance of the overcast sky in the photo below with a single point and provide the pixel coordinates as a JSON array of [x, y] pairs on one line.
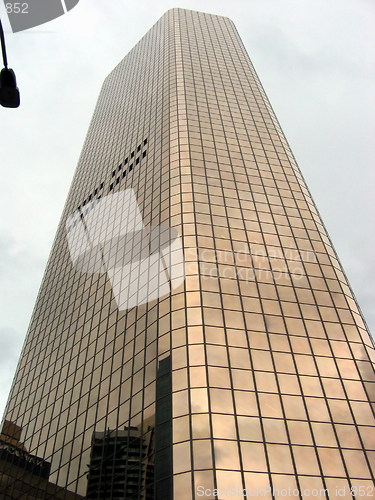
[[315, 59]]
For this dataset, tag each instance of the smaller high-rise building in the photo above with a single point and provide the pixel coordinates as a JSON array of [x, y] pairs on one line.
[[121, 465], [23, 475]]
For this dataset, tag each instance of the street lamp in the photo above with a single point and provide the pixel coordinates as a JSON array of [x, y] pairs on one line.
[[9, 93]]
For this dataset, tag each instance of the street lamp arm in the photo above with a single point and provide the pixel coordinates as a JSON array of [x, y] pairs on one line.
[[3, 48]]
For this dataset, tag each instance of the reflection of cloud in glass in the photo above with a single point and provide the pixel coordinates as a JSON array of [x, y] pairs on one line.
[[227, 481], [226, 454], [201, 426], [199, 400]]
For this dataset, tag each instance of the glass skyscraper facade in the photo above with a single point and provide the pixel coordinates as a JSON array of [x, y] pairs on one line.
[[254, 373]]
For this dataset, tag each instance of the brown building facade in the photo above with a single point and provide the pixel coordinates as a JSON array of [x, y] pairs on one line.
[[253, 376]]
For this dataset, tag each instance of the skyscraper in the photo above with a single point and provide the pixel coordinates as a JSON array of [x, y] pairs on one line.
[[249, 371]]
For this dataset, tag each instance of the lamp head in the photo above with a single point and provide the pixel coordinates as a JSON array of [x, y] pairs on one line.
[[9, 93]]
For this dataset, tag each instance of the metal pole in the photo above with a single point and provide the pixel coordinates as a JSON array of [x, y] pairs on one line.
[[3, 48]]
